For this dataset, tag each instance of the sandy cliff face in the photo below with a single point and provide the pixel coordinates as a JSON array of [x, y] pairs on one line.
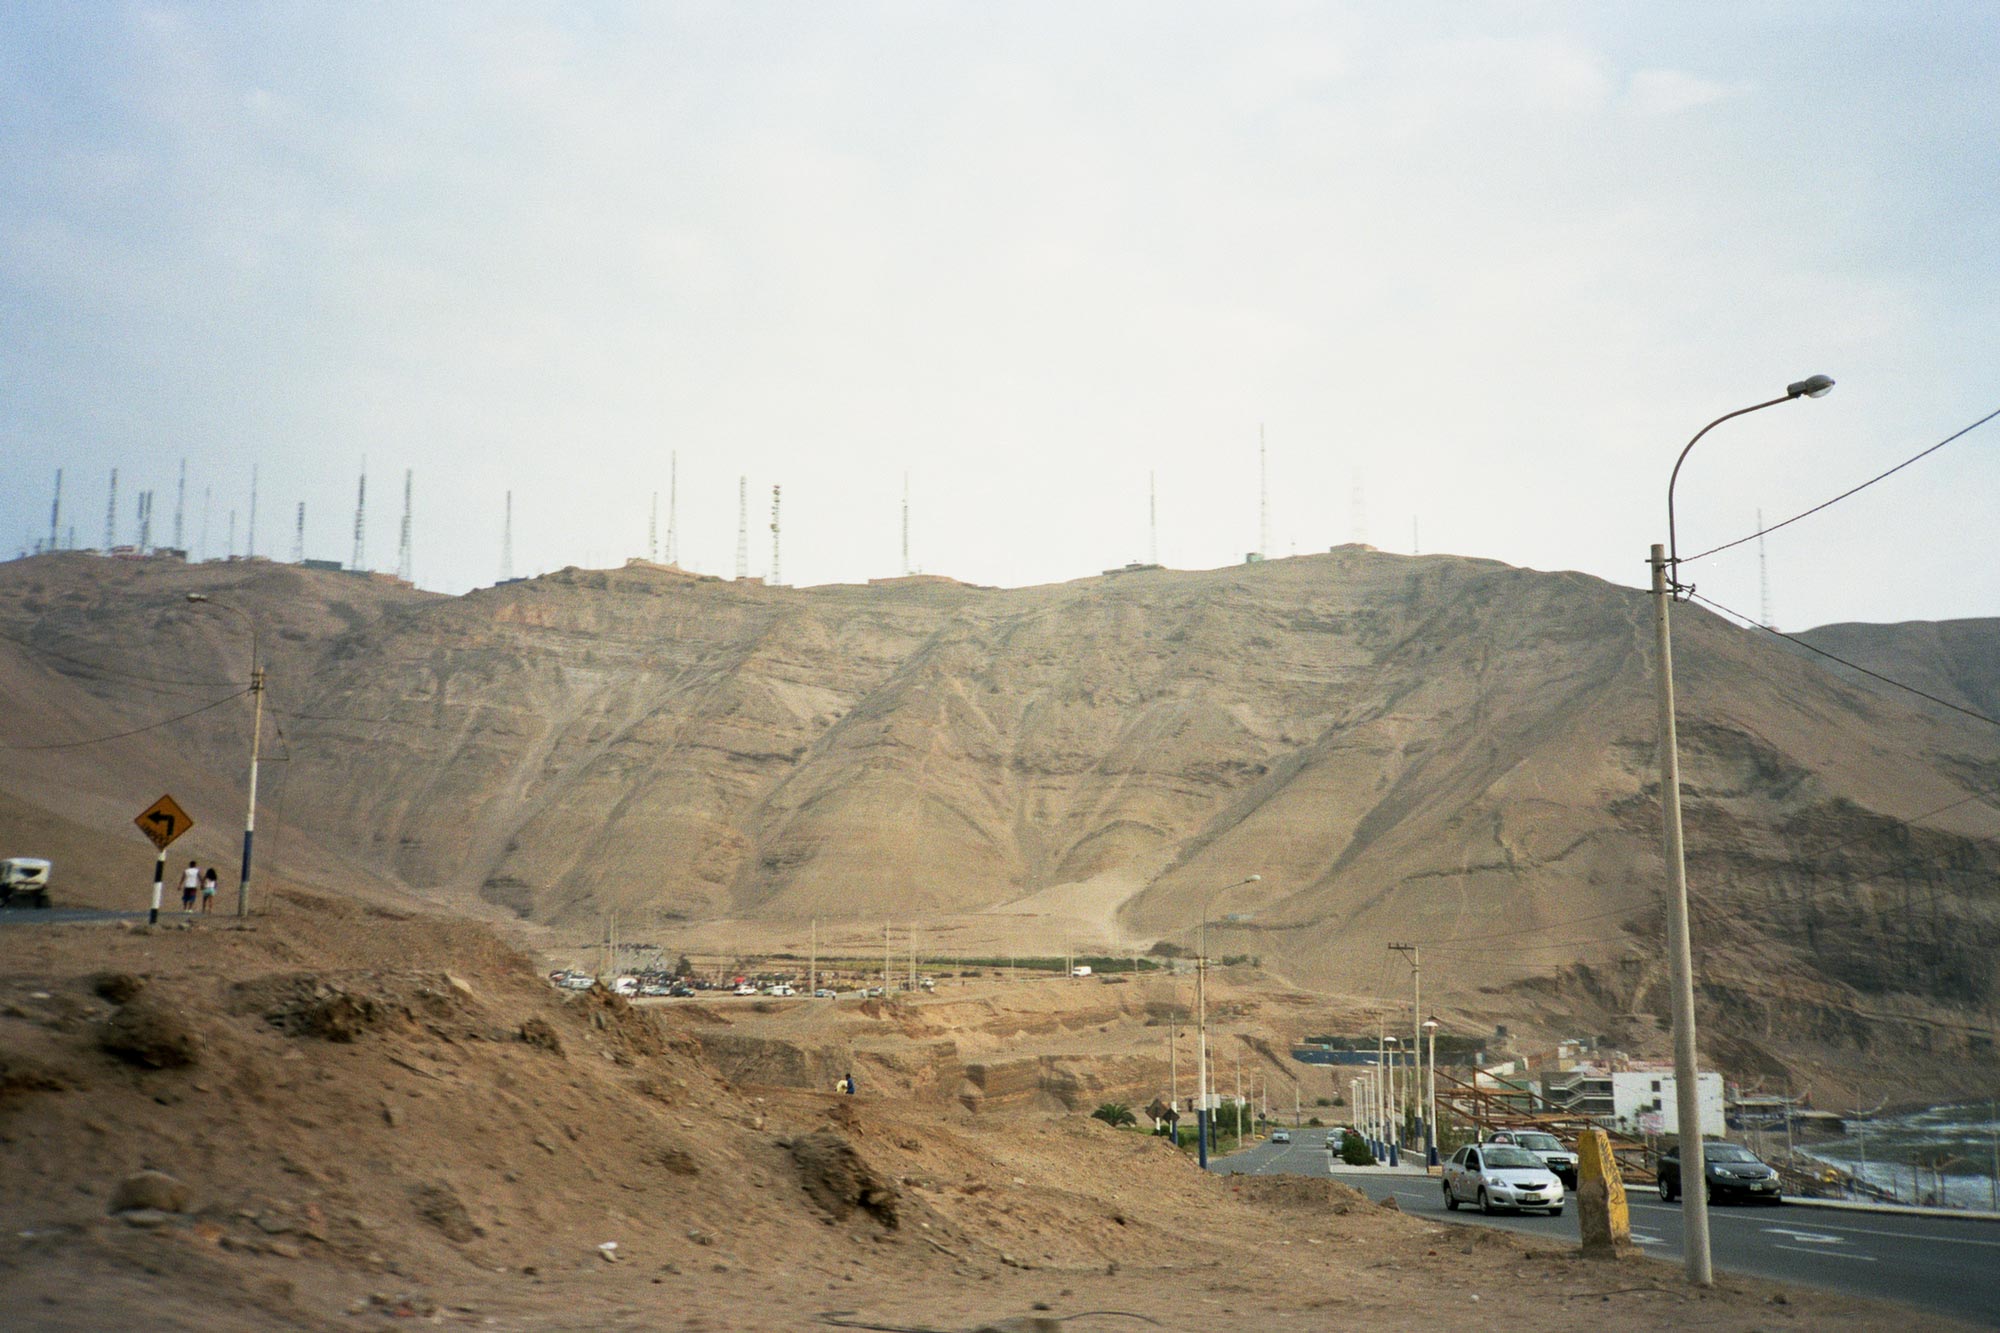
[[1433, 749]]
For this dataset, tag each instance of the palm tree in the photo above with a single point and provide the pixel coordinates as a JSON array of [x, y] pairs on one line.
[[1115, 1114]]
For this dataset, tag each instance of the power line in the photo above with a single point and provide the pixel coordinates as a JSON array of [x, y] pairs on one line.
[[98, 740], [1852, 666], [1689, 559]]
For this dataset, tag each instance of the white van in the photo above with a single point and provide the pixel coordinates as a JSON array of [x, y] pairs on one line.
[[25, 877]]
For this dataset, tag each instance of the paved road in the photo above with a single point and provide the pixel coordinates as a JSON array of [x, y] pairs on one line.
[[51, 916], [1949, 1265]]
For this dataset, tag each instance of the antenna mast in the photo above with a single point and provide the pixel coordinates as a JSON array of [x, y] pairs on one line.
[[360, 516], [673, 507], [1763, 576], [743, 527], [250, 537], [145, 520], [55, 514], [1152, 520], [403, 546], [180, 508], [653, 531], [111, 514], [906, 525], [1416, 546], [1263, 498], [299, 536], [507, 541], [776, 581]]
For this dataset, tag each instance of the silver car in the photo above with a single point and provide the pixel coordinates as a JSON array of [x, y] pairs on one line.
[[1497, 1176]]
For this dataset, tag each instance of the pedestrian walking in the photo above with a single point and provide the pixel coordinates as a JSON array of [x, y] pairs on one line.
[[208, 890], [190, 885]]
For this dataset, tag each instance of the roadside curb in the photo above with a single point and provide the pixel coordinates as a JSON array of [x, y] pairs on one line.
[[1890, 1209]]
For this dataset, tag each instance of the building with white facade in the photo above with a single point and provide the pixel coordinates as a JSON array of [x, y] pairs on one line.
[[1645, 1101]]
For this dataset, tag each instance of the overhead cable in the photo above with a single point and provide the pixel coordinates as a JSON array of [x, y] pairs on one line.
[[1689, 559]]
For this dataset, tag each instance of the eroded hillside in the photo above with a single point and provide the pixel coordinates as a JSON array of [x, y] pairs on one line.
[[1433, 749]]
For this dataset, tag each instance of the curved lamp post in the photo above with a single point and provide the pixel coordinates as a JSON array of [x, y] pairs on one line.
[[1201, 1020], [1665, 562], [256, 735]]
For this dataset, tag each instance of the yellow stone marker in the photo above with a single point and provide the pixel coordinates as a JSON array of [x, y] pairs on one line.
[[1600, 1197]]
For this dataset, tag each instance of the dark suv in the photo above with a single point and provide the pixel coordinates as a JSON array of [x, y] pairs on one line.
[[1732, 1170]]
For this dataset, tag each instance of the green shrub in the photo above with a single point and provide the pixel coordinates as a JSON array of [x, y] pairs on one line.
[[1115, 1114], [1354, 1151]]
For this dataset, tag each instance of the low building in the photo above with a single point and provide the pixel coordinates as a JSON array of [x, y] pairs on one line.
[[1644, 1098]]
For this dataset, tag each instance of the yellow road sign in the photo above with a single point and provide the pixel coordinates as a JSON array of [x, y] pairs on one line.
[[163, 821]]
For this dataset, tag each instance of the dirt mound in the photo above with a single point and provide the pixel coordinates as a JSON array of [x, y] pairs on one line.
[[147, 1031], [839, 1182]]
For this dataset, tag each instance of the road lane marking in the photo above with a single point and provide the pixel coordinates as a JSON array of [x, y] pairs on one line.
[[1824, 1253], [1805, 1237]]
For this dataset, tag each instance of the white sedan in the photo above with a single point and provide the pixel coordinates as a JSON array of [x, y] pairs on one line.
[[1498, 1175]]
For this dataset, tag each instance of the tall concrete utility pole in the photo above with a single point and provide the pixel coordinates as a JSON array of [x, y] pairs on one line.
[[250, 536], [111, 514], [507, 541], [180, 506], [776, 578], [360, 520], [55, 514], [1414, 957], [743, 528], [403, 543], [299, 536]]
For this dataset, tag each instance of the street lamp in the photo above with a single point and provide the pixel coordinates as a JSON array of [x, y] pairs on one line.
[[1201, 1020], [1394, 1104], [1665, 562], [1431, 1098], [256, 736]]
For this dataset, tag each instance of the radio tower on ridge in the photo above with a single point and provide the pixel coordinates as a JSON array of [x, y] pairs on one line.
[[743, 527], [1263, 498], [299, 536], [673, 507], [403, 545], [360, 519], [507, 541], [55, 514], [906, 525], [1763, 577], [250, 535], [1152, 520], [111, 515], [180, 508], [653, 531], [776, 580]]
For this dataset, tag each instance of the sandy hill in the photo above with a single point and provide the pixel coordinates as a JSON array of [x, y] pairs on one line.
[[341, 1116], [1439, 750]]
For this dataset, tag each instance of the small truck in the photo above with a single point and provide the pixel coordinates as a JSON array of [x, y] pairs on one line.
[[26, 878]]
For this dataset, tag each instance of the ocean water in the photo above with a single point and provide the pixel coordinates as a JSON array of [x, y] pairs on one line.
[[1883, 1150]]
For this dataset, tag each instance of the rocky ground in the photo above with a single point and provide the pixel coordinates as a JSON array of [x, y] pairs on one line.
[[349, 1116]]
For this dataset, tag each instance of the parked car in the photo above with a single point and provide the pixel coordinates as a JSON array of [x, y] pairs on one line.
[[745, 988], [824, 993], [1500, 1175], [1732, 1170], [1545, 1146], [26, 878]]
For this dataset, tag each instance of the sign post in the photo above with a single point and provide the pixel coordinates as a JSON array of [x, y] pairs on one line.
[[162, 822]]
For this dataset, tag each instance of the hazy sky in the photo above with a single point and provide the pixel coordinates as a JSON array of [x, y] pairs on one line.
[[1477, 270]]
